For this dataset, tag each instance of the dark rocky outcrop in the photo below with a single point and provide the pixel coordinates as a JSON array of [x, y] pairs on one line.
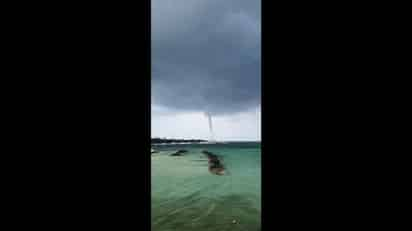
[[179, 152], [215, 165]]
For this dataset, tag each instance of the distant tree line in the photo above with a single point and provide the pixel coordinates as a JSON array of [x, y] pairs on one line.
[[163, 140]]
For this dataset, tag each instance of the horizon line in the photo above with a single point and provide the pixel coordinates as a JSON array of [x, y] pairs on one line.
[[207, 139]]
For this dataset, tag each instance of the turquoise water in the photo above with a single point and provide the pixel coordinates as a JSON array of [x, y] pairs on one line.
[[186, 196]]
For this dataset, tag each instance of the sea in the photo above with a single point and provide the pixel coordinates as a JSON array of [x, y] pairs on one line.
[[186, 196]]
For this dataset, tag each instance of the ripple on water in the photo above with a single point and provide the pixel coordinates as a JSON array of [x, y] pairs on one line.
[[206, 213], [185, 196]]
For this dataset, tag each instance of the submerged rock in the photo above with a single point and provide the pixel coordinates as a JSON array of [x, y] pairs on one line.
[[179, 153], [217, 170], [215, 165]]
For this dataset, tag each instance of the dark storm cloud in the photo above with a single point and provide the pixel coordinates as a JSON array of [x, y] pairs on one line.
[[206, 54]]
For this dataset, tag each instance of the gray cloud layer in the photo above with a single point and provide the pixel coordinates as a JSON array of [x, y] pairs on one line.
[[206, 54]]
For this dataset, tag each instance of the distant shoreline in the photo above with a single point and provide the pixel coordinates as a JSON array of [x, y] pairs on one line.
[[172, 141], [160, 141]]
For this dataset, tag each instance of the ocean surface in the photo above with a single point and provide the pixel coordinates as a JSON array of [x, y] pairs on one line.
[[186, 196]]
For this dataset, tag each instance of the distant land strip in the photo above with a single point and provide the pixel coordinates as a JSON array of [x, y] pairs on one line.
[[163, 141]]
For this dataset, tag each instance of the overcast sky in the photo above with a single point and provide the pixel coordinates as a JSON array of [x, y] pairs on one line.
[[206, 57]]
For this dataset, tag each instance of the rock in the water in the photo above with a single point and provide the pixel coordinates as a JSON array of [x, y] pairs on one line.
[[179, 153], [215, 165], [217, 170]]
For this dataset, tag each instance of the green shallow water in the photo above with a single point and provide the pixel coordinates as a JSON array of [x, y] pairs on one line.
[[185, 196]]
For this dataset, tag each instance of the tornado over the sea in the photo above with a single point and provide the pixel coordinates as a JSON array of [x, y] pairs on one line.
[[209, 117]]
